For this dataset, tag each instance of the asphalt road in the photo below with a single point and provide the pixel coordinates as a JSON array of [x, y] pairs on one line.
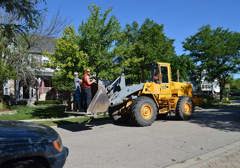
[[101, 144]]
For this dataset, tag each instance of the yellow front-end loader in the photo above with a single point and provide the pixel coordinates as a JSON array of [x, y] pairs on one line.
[[143, 102]]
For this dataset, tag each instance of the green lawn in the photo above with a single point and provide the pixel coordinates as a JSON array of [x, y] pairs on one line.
[[44, 112], [38, 112]]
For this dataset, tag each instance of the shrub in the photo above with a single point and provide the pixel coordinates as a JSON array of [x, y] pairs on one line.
[[226, 100], [22, 102], [48, 102], [3, 106]]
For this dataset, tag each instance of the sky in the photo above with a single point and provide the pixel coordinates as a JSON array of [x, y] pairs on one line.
[[181, 18]]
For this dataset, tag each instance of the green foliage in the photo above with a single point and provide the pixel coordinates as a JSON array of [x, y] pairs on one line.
[[38, 112], [96, 38], [6, 71], [48, 102], [235, 84], [25, 11], [141, 45], [6, 68], [68, 58], [216, 51], [99, 42], [184, 65], [91, 47], [3, 106], [61, 82], [19, 17]]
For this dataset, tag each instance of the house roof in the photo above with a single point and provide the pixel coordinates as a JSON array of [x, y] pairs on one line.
[[41, 44]]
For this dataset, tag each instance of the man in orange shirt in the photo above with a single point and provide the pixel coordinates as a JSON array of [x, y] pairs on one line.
[[86, 89]]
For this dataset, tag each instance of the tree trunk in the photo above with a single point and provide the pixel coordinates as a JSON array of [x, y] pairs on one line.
[[222, 84], [1, 94]]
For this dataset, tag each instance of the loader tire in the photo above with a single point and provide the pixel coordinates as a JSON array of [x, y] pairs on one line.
[[116, 117], [144, 111], [184, 108]]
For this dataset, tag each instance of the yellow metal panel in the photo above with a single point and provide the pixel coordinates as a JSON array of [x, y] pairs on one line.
[[181, 89], [151, 88]]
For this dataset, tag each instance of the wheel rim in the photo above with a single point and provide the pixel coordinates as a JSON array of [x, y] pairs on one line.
[[146, 112], [187, 109]]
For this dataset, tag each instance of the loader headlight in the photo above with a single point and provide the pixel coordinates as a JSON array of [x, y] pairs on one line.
[[57, 144]]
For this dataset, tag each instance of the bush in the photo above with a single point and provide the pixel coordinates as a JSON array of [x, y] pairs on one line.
[[3, 106], [9, 100], [235, 92], [6, 98], [48, 102], [226, 100], [22, 102]]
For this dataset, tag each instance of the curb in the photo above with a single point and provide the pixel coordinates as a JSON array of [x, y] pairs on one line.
[[198, 160], [52, 119]]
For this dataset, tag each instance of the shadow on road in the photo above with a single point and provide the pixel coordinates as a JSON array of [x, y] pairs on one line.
[[223, 118], [89, 124], [83, 126]]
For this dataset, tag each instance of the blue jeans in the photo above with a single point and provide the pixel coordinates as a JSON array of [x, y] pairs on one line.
[[87, 97]]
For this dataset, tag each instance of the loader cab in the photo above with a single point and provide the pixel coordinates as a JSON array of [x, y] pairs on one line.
[[165, 79], [164, 72], [161, 73], [160, 83]]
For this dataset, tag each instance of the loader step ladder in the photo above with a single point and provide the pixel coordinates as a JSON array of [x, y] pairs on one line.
[[171, 105]]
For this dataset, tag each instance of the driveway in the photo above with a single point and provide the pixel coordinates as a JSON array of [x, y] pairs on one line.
[[101, 144]]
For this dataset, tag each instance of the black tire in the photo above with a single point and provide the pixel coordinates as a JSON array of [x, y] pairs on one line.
[[138, 109], [30, 163], [181, 111]]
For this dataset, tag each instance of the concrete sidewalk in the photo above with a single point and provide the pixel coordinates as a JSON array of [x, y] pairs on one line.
[[224, 157]]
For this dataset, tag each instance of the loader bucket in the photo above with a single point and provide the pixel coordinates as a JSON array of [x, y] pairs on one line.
[[100, 101]]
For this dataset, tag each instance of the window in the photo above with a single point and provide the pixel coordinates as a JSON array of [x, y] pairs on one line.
[[164, 73], [6, 91], [156, 74]]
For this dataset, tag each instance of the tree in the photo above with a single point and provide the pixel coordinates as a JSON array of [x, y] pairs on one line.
[[25, 15], [21, 16], [22, 28], [142, 45], [67, 58], [216, 51], [184, 65], [96, 38]]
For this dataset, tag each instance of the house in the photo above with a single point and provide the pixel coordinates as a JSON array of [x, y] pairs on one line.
[[37, 88], [212, 87]]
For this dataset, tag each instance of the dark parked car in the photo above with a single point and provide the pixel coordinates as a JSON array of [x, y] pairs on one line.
[[28, 145]]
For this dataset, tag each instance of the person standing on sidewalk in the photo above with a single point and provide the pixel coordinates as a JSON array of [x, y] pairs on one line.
[[77, 92], [86, 88]]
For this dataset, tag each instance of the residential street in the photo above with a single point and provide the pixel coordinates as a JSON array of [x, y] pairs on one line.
[[101, 144]]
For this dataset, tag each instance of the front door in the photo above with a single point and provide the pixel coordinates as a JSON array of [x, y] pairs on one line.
[[165, 79]]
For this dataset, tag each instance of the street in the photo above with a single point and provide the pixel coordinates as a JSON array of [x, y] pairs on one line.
[[101, 144]]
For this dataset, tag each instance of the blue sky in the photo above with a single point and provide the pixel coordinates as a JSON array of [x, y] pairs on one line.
[[181, 18]]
